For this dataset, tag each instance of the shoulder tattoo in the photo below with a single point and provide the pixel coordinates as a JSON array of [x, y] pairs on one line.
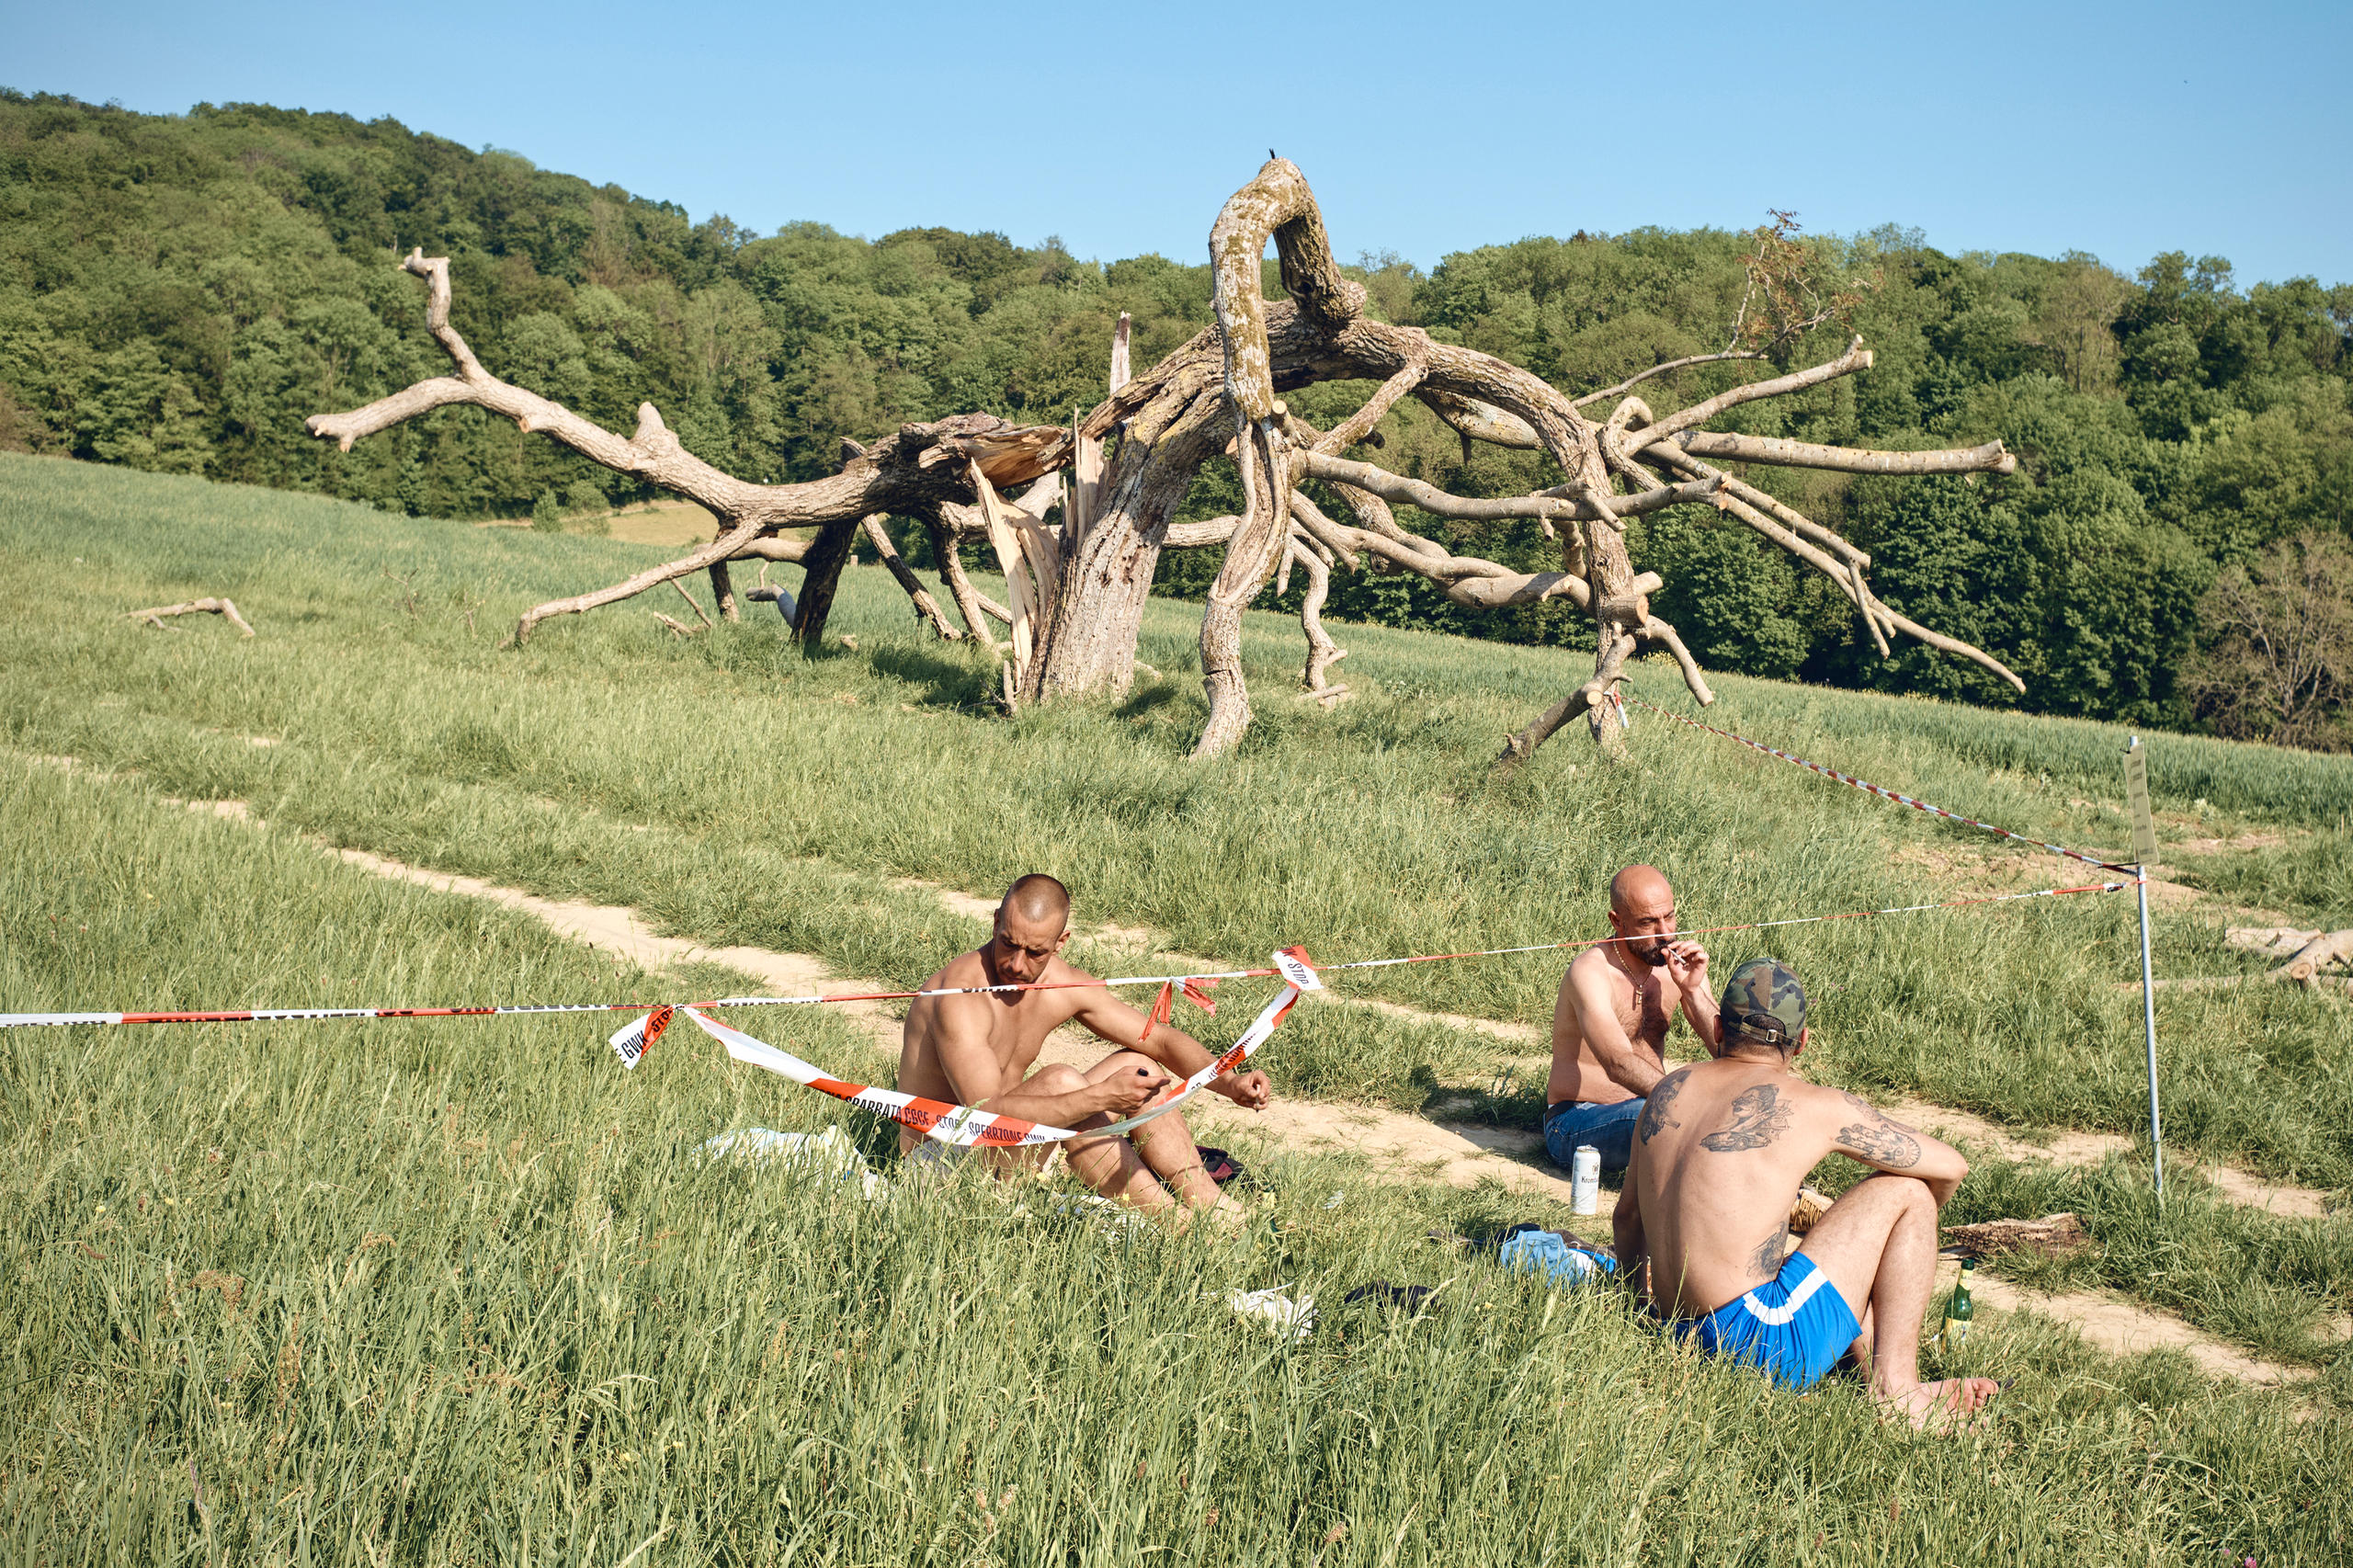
[[1757, 1118], [1654, 1117], [1881, 1141]]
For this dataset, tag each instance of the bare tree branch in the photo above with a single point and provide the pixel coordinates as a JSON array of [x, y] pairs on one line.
[[1518, 748], [1849, 580], [946, 538], [910, 471], [926, 607], [225, 609], [1991, 458], [723, 592], [1656, 631], [1360, 424], [1322, 652], [720, 549], [1546, 503], [1641, 376], [1857, 357], [1276, 204], [1477, 421]]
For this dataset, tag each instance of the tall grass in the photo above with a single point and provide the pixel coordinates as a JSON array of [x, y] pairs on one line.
[[781, 796], [429, 1292]]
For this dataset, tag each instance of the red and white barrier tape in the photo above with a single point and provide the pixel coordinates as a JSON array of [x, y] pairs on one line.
[[1853, 782], [282, 1015], [963, 1125], [1193, 985]]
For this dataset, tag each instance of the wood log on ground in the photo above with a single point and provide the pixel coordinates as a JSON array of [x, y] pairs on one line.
[[2280, 941], [2305, 965], [2054, 1235], [226, 609]]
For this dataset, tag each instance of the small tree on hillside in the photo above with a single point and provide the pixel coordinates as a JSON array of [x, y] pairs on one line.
[[2279, 664], [1078, 583]]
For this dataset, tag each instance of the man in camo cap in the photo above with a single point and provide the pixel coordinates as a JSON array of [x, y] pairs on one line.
[[1719, 1154]]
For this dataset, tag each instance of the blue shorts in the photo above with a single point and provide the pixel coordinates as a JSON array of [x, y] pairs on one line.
[[1793, 1327], [1608, 1127]]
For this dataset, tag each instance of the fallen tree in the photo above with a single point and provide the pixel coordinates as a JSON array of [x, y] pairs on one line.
[[1078, 584], [911, 473]]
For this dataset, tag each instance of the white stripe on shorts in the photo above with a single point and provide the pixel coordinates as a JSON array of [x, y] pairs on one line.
[[1778, 1316]]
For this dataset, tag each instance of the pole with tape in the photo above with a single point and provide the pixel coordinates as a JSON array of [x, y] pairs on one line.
[[2145, 851]]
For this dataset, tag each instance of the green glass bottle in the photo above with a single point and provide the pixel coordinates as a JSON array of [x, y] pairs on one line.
[[1958, 1309]]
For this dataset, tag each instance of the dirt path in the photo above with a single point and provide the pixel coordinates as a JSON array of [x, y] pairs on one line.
[[2069, 1148], [2116, 1325], [1393, 1143]]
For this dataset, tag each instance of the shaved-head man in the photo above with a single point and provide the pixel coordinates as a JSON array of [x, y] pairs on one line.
[[977, 1050], [1609, 1024]]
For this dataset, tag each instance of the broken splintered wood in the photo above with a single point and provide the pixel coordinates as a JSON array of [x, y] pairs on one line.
[[225, 609], [2054, 1235]]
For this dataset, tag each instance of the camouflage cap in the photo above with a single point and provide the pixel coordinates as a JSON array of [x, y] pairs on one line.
[[1764, 1005]]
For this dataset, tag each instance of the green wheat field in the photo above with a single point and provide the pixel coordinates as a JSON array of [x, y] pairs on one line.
[[464, 1291]]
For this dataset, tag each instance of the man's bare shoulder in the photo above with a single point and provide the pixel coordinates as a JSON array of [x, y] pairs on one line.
[[1062, 989], [1592, 970]]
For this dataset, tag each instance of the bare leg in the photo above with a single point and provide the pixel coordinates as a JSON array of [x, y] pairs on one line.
[[1878, 1244], [1110, 1166], [1166, 1143]]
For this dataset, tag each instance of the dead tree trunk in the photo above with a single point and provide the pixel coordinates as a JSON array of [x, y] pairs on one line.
[[1219, 392], [821, 574], [1087, 644], [1320, 334]]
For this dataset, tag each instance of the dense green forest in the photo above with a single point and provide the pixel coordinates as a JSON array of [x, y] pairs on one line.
[[177, 292]]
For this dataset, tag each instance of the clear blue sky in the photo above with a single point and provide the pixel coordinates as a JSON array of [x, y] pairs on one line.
[[2121, 129]]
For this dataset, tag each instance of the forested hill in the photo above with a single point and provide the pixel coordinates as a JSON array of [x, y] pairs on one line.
[[180, 292]]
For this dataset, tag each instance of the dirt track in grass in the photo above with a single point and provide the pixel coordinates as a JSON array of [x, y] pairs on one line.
[[1393, 1144]]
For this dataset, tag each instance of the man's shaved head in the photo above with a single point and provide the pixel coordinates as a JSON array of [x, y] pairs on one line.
[[1641, 908], [1637, 885], [1036, 899]]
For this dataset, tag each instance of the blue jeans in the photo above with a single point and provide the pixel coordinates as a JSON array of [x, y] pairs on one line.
[[1608, 1127]]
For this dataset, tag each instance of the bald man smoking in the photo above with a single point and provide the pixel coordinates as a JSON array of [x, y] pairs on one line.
[[1609, 1023]]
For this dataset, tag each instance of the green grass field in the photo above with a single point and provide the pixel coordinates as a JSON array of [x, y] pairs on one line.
[[489, 1305]]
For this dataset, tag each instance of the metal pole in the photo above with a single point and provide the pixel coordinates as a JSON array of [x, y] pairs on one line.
[[2144, 846], [2149, 1024]]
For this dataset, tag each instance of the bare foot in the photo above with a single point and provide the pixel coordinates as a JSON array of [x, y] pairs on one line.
[[1224, 1217], [1944, 1405]]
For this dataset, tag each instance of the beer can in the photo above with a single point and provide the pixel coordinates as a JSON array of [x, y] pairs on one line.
[[1584, 1180]]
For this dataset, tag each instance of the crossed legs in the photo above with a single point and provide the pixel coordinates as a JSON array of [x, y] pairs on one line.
[[1878, 1244]]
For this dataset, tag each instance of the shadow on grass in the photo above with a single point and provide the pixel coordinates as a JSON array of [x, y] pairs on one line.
[[945, 682]]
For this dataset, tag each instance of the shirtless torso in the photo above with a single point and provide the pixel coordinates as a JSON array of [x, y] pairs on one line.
[[976, 1047], [979, 1047], [1594, 1065], [1720, 1153], [1616, 1002]]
